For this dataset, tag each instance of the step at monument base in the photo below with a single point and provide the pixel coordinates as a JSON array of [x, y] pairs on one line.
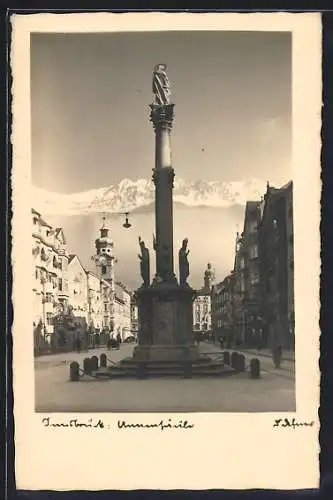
[[201, 367]]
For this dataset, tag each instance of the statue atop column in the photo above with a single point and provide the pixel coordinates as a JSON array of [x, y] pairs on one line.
[[144, 263], [161, 85], [184, 268]]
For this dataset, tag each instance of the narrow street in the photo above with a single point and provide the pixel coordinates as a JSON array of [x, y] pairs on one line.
[[237, 393]]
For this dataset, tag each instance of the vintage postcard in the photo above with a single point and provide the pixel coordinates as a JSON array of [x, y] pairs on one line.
[[166, 250]]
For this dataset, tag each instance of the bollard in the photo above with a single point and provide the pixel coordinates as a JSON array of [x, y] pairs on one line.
[[277, 356], [87, 368], [241, 363], [255, 368], [103, 360], [226, 358], [94, 363], [141, 370], [234, 357], [74, 371], [187, 369]]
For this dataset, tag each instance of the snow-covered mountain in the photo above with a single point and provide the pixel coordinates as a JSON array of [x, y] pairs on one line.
[[131, 195]]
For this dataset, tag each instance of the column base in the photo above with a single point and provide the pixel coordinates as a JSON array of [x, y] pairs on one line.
[[166, 353], [165, 322]]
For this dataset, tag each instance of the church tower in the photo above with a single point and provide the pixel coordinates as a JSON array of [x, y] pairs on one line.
[[104, 257], [209, 277]]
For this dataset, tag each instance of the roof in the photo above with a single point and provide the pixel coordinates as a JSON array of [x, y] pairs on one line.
[[105, 282], [251, 206], [272, 192], [288, 185], [119, 299], [44, 223], [123, 287], [35, 212], [71, 257], [58, 231], [91, 273], [203, 292]]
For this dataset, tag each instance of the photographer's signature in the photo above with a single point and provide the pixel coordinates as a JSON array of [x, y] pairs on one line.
[[291, 423]]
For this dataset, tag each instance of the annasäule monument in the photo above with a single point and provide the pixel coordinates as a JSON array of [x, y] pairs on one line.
[[165, 306], [165, 303]]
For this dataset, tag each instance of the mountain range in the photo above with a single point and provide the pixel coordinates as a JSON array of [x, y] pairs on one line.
[[208, 213], [129, 196]]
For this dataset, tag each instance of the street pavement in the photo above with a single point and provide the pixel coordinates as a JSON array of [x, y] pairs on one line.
[[53, 360], [287, 368], [273, 392], [267, 353]]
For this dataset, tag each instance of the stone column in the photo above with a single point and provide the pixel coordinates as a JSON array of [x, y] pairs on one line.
[[163, 175]]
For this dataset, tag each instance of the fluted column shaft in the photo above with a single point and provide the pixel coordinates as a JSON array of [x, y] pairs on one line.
[[163, 175]]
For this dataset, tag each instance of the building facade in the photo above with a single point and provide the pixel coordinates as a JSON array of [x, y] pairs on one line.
[[95, 316], [107, 297], [122, 311], [202, 315], [134, 317], [247, 307], [78, 289], [277, 266], [223, 309], [216, 309], [50, 281], [74, 307]]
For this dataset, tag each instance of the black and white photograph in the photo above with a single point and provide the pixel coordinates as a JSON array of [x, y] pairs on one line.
[[163, 188], [153, 144]]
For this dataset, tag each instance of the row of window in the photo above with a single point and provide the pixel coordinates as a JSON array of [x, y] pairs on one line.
[[199, 320], [48, 297], [205, 308], [223, 309]]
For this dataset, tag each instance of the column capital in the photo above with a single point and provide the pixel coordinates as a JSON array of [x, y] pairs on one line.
[[166, 173], [161, 116]]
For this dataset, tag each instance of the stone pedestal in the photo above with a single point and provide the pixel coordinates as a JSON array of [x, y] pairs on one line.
[[165, 324]]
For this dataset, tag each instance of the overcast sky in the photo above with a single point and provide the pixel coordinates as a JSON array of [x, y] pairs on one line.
[[91, 95]]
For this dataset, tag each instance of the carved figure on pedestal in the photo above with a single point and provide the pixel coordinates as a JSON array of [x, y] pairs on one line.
[[144, 262], [161, 85], [164, 263], [184, 268]]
